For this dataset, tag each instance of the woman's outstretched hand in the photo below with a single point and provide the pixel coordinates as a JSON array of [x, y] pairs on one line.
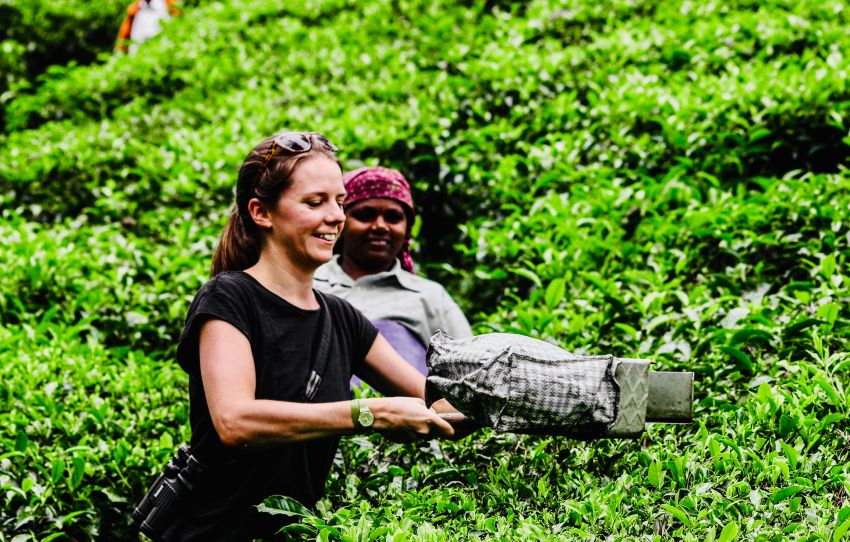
[[403, 419]]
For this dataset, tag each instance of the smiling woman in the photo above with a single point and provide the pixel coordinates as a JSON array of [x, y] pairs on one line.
[[375, 270], [269, 359]]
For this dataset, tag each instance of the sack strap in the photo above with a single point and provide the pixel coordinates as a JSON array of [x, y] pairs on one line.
[[321, 347]]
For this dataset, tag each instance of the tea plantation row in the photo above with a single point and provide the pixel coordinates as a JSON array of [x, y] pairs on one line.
[[665, 180]]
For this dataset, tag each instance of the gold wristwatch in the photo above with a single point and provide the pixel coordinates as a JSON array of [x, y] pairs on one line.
[[360, 414]]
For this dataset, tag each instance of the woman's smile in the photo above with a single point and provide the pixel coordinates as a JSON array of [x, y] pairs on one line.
[[379, 243]]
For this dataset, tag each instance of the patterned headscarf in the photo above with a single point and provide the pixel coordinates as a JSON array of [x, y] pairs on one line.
[[379, 182]]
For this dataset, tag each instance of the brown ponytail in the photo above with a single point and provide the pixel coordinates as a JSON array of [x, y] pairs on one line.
[[265, 174], [237, 249]]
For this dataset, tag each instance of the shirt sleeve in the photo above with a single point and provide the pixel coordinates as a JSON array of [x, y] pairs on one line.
[[218, 299], [453, 321]]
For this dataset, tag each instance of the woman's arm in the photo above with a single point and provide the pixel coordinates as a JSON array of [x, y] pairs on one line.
[[389, 373], [227, 373]]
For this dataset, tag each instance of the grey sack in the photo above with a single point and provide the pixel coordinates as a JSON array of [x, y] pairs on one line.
[[520, 384]]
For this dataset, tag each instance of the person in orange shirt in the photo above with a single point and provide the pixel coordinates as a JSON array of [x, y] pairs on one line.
[[143, 21]]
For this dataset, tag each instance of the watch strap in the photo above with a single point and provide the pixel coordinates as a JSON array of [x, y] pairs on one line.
[[355, 412]]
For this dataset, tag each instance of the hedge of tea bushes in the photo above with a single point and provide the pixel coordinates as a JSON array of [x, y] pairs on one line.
[[660, 180], [124, 288], [37, 36], [82, 426], [44, 40]]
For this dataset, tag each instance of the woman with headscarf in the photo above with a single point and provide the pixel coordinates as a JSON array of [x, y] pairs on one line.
[[374, 269]]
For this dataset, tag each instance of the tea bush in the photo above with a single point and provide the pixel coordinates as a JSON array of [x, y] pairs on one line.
[[664, 180], [38, 35], [41, 42]]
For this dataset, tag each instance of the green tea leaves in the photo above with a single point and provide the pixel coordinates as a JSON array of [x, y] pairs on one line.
[[666, 181], [21, 442], [677, 513], [785, 493], [729, 533], [555, 293]]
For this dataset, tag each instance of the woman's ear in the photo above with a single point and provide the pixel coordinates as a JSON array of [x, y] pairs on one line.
[[259, 213]]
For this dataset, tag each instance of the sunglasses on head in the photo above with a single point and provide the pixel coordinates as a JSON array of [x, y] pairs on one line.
[[297, 143]]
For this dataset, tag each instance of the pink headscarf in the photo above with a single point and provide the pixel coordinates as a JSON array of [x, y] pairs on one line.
[[379, 182]]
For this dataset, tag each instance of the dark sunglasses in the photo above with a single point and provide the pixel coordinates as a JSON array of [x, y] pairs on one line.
[[297, 143]]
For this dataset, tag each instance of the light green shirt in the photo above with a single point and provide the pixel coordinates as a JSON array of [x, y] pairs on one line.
[[419, 304]]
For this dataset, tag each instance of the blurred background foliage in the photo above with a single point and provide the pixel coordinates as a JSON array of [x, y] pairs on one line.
[[657, 179]]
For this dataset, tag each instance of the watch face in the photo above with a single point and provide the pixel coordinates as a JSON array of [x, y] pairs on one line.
[[366, 418]]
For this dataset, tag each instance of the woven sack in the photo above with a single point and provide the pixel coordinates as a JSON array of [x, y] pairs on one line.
[[524, 385]]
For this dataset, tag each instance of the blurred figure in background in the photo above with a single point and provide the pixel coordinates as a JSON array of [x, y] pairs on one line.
[[374, 270], [143, 21]]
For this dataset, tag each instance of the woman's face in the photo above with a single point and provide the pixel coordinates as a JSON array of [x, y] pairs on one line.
[[308, 216], [374, 233]]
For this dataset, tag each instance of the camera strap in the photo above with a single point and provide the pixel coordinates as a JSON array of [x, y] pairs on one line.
[[321, 347]]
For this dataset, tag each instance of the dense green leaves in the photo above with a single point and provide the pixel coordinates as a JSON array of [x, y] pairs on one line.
[[37, 36], [664, 180]]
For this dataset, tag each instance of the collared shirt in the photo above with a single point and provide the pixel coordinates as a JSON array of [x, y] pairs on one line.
[[421, 305]]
